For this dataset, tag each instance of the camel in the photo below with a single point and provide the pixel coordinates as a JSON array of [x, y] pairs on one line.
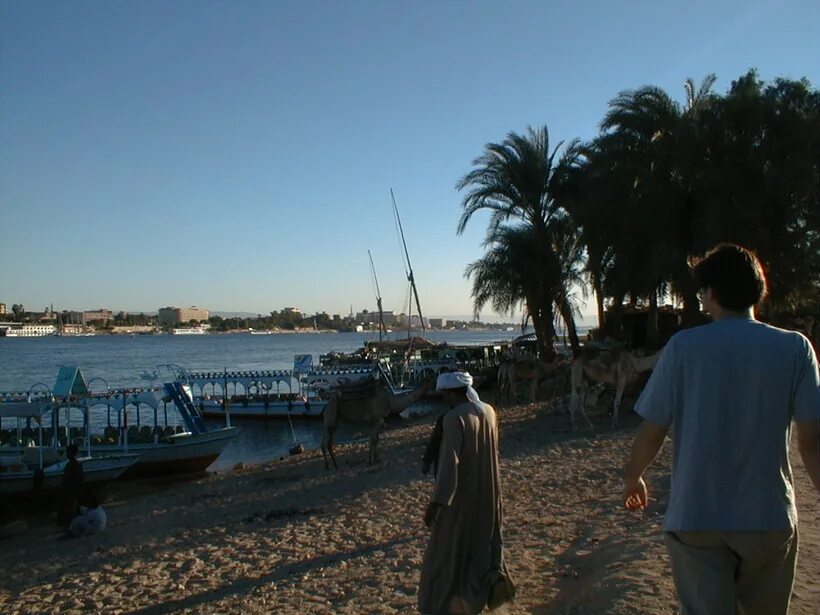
[[512, 372], [370, 403], [619, 369]]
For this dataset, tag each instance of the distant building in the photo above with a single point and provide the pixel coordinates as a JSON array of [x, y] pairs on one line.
[[173, 316], [94, 315], [292, 310], [372, 318], [415, 321], [46, 316], [81, 318], [438, 323], [3, 311]]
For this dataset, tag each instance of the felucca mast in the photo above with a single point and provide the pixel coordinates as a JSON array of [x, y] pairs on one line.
[[382, 327], [410, 277]]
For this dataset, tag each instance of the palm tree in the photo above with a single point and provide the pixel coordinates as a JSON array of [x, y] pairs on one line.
[[516, 181], [505, 276], [632, 193]]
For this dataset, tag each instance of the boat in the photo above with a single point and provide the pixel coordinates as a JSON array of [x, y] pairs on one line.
[[19, 329], [408, 361], [298, 393], [184, 444], [262, 408], [29, 470], [200, 330], [17, 478], [161, 449]]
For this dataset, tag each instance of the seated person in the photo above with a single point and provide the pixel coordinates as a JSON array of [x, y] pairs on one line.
[[91, 520]]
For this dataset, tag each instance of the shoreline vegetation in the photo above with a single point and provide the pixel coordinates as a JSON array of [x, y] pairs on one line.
[[290, 537], [489, 328]]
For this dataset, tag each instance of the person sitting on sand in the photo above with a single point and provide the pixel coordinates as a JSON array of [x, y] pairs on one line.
[[730, 390], [71, 489], [91, 520], [464, 568]]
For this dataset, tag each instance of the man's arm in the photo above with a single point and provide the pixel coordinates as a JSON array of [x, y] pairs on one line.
[[447, 476], [449, 454], [645, 448], [433, 447], [808, 443]]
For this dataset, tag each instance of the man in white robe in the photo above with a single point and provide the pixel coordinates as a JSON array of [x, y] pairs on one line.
[[464, 569]]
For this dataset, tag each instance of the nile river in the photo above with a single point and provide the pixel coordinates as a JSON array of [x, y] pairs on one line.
[[119, 360]]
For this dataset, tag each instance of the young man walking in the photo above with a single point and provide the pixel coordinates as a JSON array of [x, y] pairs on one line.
[[730, 391]]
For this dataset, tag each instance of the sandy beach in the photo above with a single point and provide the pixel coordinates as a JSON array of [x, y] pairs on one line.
[[291, 537]]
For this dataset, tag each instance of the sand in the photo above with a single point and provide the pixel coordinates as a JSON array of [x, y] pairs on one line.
[[291, 537]]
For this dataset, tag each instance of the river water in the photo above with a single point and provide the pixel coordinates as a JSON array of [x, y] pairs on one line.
[[118, 360]]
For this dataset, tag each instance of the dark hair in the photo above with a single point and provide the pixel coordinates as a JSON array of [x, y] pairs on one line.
[[71, 450], [735, 276]]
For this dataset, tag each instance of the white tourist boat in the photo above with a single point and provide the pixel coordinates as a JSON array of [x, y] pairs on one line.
[[160, 447], [200, 330], [21, 479], [27, 470], [19, 329], [297, 393], [263, 409]]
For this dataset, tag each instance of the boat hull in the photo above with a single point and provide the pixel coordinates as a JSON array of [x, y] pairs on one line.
[[96, 470], [178, 454], [258, 410]]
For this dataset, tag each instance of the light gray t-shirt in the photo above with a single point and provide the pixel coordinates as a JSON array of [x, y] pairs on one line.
[[730, 390]]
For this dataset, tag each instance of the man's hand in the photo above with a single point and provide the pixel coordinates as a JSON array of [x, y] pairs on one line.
[[647, 443], [431, 513], [636, 495]]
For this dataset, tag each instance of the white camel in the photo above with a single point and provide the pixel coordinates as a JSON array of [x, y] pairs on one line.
[[619, 370]]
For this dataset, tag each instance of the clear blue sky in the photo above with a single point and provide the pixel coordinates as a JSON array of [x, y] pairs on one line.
[[239, 155]]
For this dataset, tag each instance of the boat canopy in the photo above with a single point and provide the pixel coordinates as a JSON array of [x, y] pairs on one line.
[[23, 409], [152, 399]]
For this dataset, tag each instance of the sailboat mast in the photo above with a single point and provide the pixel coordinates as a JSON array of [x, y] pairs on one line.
[[410, 276], [382, 327]]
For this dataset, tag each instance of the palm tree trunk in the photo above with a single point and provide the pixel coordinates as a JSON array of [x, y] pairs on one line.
[[691, 304], [547, 350], [569, 320], [652, 321], [613, 326], [597, 289], [542, 323]]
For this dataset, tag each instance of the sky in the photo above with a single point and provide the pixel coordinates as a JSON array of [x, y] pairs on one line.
[[239, 156]]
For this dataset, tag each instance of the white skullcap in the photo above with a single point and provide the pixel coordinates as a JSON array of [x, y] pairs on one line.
[[453, 380], [458, 380]]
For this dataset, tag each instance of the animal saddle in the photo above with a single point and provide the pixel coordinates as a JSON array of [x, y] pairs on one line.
[[360, 389]]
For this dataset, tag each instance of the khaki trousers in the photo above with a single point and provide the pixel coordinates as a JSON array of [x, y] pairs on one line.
[[729, 573]]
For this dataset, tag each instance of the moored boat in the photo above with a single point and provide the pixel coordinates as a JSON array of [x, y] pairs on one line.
[[263, 409], [36, 469], [180, 443], [268, 394], [21, 479]]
